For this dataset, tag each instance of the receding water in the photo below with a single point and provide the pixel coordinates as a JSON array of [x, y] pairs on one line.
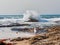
[[6, 33]]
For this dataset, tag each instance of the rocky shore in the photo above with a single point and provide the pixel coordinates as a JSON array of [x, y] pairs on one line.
[[51, 37], [14, 24]]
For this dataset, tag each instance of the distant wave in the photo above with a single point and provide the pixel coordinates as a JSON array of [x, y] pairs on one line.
[[29, 15], [11, 16], [41, 18], [50, 18]]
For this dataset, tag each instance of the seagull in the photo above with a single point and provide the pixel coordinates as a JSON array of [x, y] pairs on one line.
[[35, 30]]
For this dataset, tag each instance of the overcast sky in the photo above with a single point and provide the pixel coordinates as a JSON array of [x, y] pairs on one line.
[[19, 6]]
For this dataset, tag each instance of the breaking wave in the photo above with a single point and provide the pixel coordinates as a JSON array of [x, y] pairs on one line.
[[41, 18], [28, 15]]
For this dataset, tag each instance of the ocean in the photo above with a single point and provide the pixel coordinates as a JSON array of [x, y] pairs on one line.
[[21, 16], [11, 16], [45, 19], [41, 18], [50, 16]]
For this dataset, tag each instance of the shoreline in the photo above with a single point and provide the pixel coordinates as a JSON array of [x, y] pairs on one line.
[[38, 39]]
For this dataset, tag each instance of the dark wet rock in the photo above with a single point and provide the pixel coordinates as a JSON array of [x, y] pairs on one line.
[[23, 29], [30, 30], [2, 43], [32, 20], [14, 24]]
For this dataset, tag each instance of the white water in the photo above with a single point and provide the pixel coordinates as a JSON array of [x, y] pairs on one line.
[[6, 33], [27, 15], [53, 19], [30, 14]]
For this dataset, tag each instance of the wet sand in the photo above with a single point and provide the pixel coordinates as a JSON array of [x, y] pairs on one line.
[[24, 42]]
